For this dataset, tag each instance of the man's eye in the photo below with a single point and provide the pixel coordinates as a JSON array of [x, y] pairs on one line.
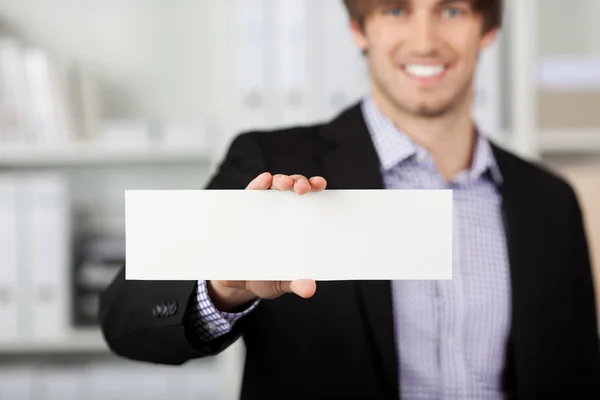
[[452, 12], [395, 11]]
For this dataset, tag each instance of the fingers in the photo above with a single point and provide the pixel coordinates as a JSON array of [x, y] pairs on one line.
[[318, 183], [301, 184], [298, 183], [261, 182], [282, 182]]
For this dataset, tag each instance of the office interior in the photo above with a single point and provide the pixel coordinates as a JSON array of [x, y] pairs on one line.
[[103, 96]]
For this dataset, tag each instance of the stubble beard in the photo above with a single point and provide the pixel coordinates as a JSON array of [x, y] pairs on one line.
[[462, 97]]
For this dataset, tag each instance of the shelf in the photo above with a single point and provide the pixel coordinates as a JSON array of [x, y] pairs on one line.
[[570, 73], [568, 141], [79, 341], [85, 154]]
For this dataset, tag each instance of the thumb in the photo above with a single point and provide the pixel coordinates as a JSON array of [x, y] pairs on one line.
[[273, 289], [304, 288]]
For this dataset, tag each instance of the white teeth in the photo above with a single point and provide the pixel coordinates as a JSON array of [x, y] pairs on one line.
[[424, 71]]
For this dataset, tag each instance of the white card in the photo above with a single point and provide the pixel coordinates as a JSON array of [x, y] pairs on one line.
[[274, 235]]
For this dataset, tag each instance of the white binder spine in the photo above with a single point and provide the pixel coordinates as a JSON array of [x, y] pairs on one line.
[[344, 76], [290, 38], [47, 235], [250, 63], [9, 261]]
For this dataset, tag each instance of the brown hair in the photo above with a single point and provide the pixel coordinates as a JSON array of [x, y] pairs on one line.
[[358, 10]]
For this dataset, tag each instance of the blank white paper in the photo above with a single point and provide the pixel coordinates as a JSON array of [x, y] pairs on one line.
[[274, 235]]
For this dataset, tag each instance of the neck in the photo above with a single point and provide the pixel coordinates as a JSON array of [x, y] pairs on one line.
[[449, 138]]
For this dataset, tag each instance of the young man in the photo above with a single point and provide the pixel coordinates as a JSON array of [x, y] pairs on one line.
[[518, 319]]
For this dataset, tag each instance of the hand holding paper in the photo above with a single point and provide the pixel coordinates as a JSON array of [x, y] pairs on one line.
[[228, 295]]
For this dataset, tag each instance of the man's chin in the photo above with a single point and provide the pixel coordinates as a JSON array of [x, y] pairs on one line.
[[430, 110]]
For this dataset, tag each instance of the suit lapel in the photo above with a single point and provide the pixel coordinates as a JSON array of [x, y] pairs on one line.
[[351, 162], [523, 220]]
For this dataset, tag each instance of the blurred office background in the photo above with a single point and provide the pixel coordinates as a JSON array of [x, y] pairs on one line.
[[101, 96]]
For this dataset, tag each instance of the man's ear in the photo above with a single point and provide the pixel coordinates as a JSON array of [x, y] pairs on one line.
[[358, 35], [488, 38]]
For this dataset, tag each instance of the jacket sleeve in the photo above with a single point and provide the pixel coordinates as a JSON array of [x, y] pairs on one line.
[[151, 321], [209, 322], [586, 326]]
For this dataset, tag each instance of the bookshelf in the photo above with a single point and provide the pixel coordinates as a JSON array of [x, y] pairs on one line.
[[149, 68], [573, 142], [78, 341], [569, 72], [74, 155], [545, 64]]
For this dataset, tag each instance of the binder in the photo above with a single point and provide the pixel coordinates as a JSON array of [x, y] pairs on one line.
[[250, 64], [15, 113], [344, 77], [97, 260], [45, 107], [61, 382], [290, 35], [46, 234], [141, 382], [18, 382], [9, 260]]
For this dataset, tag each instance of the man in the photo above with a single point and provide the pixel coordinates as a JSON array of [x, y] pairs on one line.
[[518, 320]]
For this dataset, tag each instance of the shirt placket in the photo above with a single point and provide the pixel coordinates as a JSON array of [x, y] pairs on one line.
[[451, 311]]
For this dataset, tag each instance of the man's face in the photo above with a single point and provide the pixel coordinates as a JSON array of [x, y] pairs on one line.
[[422, 54]]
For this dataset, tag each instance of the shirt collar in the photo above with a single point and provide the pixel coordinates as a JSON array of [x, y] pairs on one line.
[[393, 146]]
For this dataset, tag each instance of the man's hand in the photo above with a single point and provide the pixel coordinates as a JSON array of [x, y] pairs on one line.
[[229, 296]]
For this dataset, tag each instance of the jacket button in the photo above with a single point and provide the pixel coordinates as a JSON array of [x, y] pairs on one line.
[[165, 309], [158, 311], [172, 308]]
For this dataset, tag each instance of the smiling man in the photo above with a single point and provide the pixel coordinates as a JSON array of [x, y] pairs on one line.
[[518, 320]]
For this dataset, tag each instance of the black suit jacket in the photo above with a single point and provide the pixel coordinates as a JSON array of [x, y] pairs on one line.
[[340, 343]]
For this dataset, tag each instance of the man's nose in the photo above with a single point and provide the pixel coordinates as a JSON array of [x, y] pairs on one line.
[[425, 37]]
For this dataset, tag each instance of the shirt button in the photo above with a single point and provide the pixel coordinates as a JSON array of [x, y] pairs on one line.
[[211, 328], [421, 156]]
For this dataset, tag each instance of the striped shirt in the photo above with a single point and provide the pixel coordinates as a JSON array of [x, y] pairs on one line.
[[450, 335]]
